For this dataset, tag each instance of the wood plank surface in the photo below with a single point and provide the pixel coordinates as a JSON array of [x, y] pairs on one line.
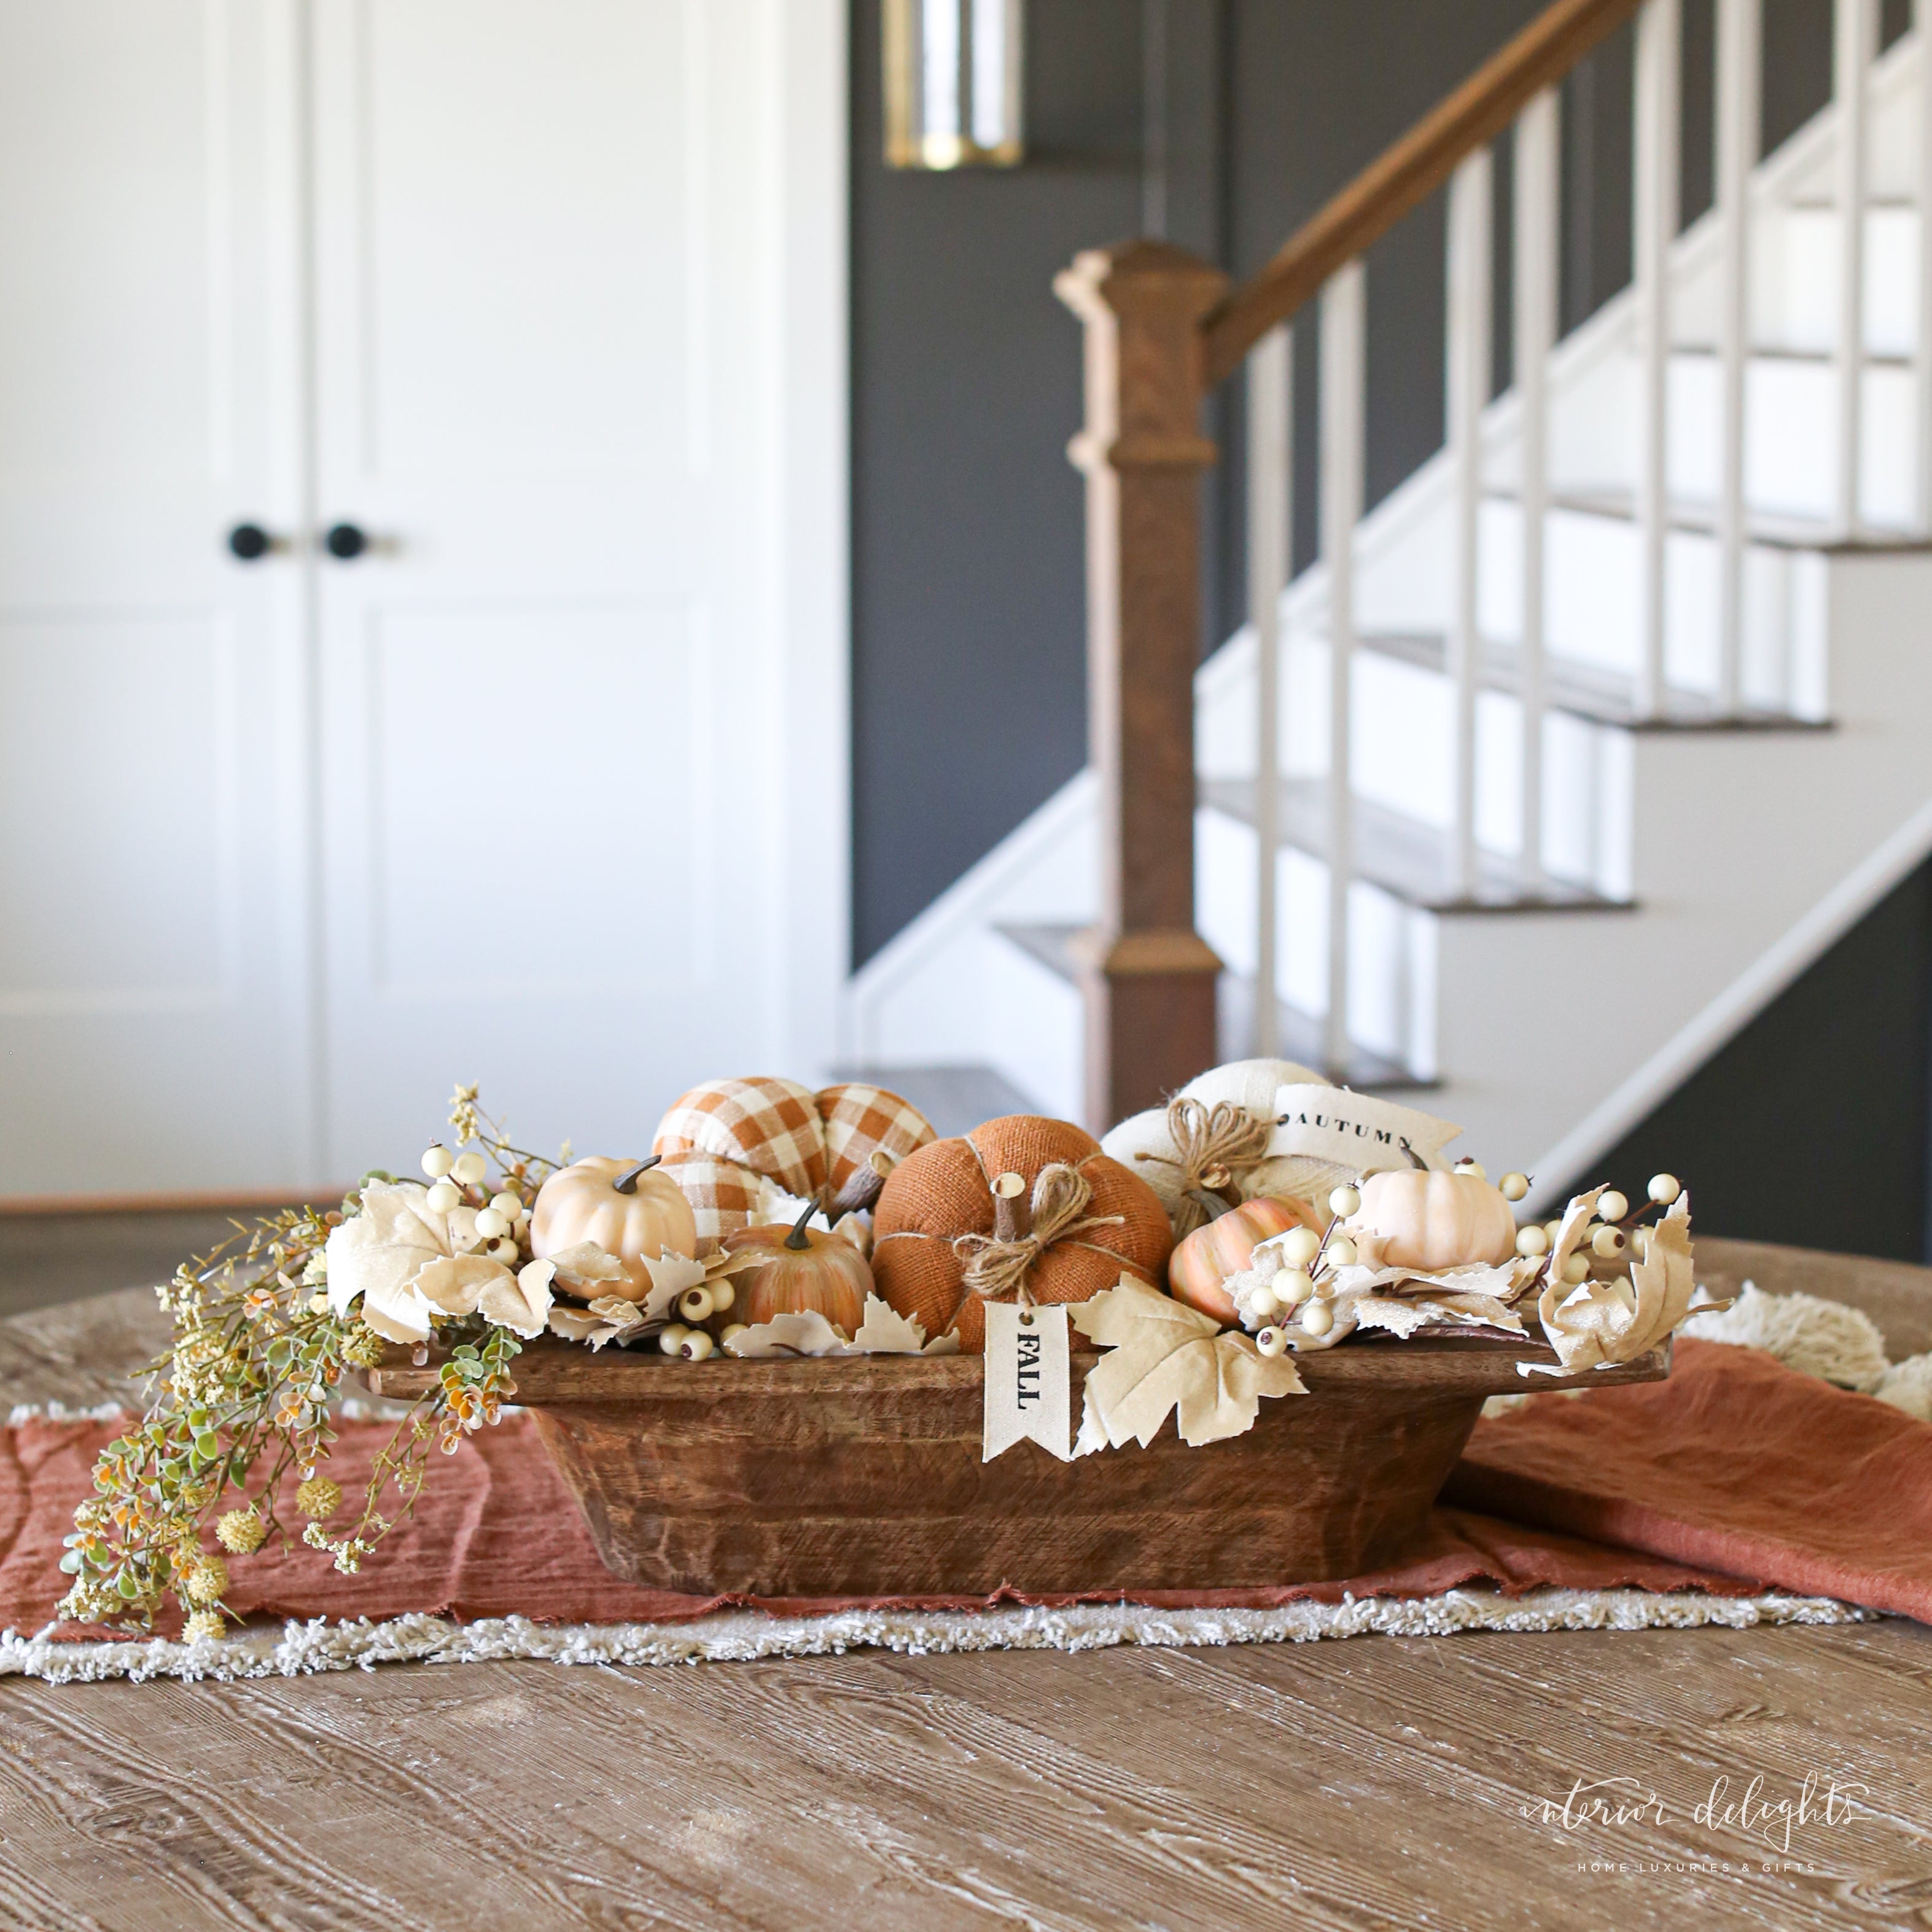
[[1379, 1782]]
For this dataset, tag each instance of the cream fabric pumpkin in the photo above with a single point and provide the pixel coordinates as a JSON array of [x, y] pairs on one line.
[[1144, 1143], [582, 1203], [1430, 1221]]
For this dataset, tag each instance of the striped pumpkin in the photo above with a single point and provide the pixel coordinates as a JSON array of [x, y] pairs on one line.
[[1226, 1245]]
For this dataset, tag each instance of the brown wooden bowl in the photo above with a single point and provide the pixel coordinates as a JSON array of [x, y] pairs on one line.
[[860, 1475]]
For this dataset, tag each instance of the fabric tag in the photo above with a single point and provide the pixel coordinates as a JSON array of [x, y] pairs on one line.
[[1353, 1129], [1028, 1375]]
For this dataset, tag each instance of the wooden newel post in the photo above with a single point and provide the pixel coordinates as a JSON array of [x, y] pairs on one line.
[[1148, 977]]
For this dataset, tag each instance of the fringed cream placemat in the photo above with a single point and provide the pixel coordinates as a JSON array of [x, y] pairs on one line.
[[740, 1636]]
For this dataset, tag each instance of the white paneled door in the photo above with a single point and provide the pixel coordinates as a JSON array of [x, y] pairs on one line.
[[150, 746], [483, 313]]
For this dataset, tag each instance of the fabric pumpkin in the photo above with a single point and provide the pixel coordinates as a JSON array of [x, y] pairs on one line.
[[1429, 1221], [729, 1143], [945, 1192], [1145, 1143]]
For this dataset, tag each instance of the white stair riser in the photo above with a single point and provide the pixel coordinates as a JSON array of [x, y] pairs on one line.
[[1735, 838], [1035, 1031], [1594, 591], [1392, 946]]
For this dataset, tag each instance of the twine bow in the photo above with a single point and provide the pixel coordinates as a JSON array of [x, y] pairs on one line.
[[997, 1265], [1213, 1146]]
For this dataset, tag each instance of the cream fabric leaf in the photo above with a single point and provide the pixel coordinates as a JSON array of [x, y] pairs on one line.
[[670, 1275], [454, 1284], [398, 1314], [584, 1267], [519, 1302], [807, 1333], [610, 1319], [1389, 1312], [1093, 1431], [1597, 1324], [1663, 1281], [379, 1250], [1485, 1309], [1168, 1358], [886, 1332]]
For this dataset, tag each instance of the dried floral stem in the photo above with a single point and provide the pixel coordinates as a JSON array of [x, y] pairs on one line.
[[243, 1397]]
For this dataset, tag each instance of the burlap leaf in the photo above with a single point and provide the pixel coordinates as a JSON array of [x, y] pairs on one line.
[[1167, 1358]]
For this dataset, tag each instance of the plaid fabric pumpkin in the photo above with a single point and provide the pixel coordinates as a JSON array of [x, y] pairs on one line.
[[728, 1142]]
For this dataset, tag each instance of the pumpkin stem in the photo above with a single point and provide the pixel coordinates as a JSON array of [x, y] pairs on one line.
[[796, 1240], [1415, 1159], [1211, 1203], [626, 1183], [1012, 1216]]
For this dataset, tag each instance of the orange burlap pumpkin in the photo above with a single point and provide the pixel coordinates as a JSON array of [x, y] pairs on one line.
[[727, 1143], [945, 1190]]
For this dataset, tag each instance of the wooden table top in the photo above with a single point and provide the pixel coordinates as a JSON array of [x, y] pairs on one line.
[[1375, 1782]]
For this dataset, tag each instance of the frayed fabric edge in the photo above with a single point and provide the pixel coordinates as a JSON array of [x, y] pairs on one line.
[[302, 1649]]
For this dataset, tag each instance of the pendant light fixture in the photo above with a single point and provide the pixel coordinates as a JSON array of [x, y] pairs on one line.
[[953, 72]]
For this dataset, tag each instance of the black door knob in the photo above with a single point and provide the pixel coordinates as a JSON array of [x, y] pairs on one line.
[[345, 541], [249, 541]]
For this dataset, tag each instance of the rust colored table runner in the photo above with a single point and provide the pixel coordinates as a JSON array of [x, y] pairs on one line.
[[1734, 1476]]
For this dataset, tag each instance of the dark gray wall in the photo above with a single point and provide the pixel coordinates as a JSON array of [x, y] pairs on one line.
[[1811, 1127], [968, 691], [1224, 124]]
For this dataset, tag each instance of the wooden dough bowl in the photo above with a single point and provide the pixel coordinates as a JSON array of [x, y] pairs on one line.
[[860, 1476]]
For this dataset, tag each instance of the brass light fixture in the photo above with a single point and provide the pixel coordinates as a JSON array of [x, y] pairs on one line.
[[953, 72]]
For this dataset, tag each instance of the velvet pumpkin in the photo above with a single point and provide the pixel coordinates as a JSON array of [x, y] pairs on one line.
[[807, 1270], [643, 1217], [1431, 1221], [945, 1191], [1226, 1245]]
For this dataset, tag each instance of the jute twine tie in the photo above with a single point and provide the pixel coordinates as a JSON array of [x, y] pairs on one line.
[[997, 1265], [1213, 1147]]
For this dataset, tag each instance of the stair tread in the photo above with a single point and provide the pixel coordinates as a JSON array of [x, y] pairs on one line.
[[1403, 856], [1773, 529], [1583, 690], [1300, 1034], [1785, 352]]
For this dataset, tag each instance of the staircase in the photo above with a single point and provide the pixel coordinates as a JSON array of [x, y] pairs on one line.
[[1549, 866]]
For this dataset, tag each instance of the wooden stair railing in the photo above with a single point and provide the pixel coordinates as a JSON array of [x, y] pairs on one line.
[[1162, 329]]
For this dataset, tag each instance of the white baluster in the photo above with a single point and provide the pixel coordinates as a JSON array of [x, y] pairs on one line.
[[1270, 472], [1854, 47], [1343, 379], [1740, 69], [1536, 266], [1466, 388], [1653, 211], [1922, 20]]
